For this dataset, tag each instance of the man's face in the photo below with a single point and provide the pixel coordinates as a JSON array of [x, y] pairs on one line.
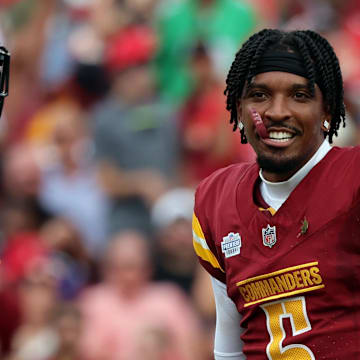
[[293, 118]]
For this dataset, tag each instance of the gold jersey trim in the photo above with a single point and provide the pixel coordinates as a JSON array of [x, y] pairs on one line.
[[200, 245], [271, 210], [285, 295], [276, 272]]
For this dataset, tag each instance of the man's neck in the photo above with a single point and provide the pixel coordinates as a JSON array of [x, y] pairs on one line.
[[275, 193], [287, 174]]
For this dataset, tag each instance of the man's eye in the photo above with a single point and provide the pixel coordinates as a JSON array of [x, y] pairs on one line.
[[258, 95], [301, 95]]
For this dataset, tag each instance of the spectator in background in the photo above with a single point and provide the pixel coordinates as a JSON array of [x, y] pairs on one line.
[[155, 344], [22, 246], [56, 61], [174, 260], [10, 317], [36, 338], [47, 267], [108, 16], [27, 21], [75, 268], [142, 10], [222, 25], [69, 185], [119, 312], [173, 251], [68, 323], [21, 213], [135, 133], [206, 143], [21, 179]]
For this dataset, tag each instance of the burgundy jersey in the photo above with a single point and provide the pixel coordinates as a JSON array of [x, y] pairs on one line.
[[294, 274]]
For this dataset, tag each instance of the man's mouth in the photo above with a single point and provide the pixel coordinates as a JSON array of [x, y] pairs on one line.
[[280, 136]]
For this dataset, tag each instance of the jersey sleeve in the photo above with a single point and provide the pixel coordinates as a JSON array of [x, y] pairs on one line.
[[204, 246], [227, 342]]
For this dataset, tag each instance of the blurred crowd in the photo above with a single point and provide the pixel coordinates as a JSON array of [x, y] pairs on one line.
[[116, 112]]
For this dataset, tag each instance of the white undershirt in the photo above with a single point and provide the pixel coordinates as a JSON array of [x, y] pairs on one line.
[[275, 194], [227, 345]]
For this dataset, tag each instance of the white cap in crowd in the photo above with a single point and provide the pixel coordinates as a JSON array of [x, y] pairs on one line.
[[173, 205]]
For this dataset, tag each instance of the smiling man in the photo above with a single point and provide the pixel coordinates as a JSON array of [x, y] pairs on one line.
[[280, 237]]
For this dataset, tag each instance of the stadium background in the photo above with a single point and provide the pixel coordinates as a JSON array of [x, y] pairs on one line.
[[116, 111]]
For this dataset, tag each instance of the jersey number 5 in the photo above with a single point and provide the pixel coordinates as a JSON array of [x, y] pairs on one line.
[[295, 309]]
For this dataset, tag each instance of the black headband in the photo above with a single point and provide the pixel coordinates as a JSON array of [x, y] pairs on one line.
[[284, 61]]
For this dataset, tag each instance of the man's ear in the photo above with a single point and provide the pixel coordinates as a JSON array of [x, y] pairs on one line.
[[326, 124], [326, 119], [239, 117], [239, 106]]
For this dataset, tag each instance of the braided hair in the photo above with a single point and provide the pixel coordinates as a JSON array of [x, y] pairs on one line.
[[320, 62]]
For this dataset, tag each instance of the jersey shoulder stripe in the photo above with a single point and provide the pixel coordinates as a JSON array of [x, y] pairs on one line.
[[200, 245]]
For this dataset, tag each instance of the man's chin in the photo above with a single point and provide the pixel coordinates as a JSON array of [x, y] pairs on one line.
[[279, 166]]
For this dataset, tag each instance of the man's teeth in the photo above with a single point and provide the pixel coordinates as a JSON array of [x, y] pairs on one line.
[[281, 136]]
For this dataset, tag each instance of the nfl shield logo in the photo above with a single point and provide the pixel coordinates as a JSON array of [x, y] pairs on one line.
[[269, 236]]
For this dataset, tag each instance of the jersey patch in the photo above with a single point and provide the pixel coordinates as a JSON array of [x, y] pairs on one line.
[[231, 244]]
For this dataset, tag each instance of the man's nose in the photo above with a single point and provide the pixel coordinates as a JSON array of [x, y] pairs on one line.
[[277, 110]]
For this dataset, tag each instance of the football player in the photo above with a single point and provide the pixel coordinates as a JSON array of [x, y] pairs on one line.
[[280, 237]]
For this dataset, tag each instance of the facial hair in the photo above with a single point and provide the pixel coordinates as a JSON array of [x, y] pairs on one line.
[[283, 165]]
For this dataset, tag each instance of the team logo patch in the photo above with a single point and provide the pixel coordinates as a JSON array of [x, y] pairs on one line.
[[231, 244], [269, 236]]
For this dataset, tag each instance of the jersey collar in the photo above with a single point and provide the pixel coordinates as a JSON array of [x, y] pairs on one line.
[[275, 193]]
